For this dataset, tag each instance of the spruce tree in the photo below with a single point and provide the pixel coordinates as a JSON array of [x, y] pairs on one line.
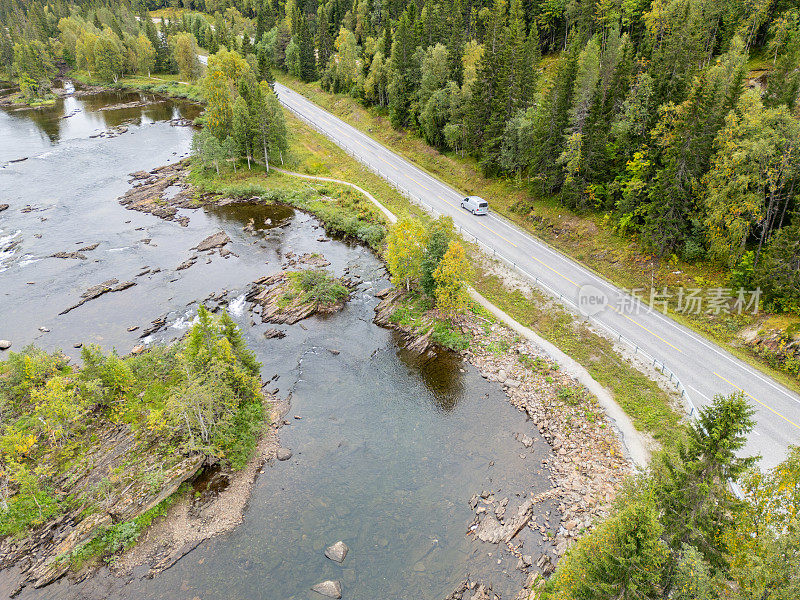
[[401, 87], [305, 41]]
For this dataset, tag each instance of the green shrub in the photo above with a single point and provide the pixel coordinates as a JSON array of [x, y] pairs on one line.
[[445, 334], [318, 287]]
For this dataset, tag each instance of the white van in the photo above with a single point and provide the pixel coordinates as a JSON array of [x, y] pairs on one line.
[[476, 205]]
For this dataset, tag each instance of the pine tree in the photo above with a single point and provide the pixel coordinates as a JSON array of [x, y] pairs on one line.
[[324, 37], [305, 41], [550, 119], [455, 43], [265, 18], [264, 62], [247, 45], [401, 88], [690, 485], [486, 118]]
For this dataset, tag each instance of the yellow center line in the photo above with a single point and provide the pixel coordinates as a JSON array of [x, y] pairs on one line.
[[645, 328], [418, 183], [554, 271], [490, 229], [446, 201], [767, 406]]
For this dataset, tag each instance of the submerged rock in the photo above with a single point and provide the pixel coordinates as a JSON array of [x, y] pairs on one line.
[[525, 440], [337, 552], [283, 454], [331, 589]]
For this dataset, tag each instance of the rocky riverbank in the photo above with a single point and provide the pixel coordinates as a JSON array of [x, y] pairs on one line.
[[587, 465], [109, 465], [11, 97], [216, 506]]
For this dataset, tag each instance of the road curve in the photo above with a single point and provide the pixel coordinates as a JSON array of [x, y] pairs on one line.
[[702, 367]]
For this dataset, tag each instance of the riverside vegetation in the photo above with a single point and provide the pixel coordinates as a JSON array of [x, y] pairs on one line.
[[91, 455], [648, 547], [677, 531]]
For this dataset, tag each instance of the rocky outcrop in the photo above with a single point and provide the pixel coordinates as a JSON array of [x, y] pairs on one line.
[[77, 255], [472, 590], [148, 194], [491, 530], [281, 303], [779, 347], [212, 242], [411, 338], [41, 556], [112, 285]]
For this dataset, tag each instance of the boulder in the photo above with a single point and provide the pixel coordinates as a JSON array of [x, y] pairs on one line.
[[5, 344], [337, 552], [283, 454], [331, 589], [216, 240]]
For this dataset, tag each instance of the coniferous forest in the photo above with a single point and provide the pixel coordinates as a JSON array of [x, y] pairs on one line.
[[679, 120], [676, 118]]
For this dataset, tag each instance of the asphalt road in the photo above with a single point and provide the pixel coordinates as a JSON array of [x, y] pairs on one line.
[[702, 367]]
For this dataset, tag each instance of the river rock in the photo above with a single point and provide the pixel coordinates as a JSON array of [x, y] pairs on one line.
[[525, 440], [337, 552], [78, 255], [481, 593], [216, 240], [186, 264], [331, 589], [492, 531], [283, 454], [3, 207], [112, 285], [5, 344]]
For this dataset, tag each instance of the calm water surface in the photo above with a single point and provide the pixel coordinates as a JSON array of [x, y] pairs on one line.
[[389, 448]]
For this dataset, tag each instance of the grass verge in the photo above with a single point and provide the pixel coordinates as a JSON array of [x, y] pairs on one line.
[[587, 238], [650, 407], [165, 84]]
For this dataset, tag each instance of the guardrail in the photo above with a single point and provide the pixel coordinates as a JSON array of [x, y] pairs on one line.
[[657, 363]]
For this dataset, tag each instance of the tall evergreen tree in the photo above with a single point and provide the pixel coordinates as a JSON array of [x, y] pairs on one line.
[[401, 88], [305, 42]]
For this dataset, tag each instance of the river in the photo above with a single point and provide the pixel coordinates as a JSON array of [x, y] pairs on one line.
[[388, 449]]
